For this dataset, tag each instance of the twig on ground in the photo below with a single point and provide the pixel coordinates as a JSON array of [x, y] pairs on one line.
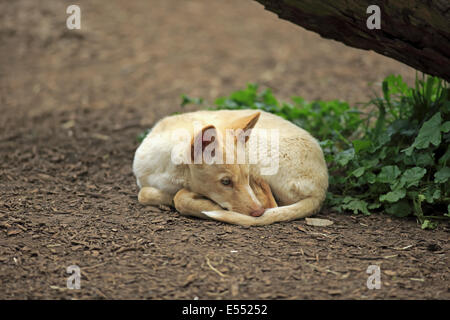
[[214, 269]]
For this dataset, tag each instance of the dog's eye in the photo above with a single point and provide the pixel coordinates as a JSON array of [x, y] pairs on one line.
[[226, 181]]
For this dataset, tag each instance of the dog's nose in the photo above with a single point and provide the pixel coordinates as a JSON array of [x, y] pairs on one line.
[[258, 212]]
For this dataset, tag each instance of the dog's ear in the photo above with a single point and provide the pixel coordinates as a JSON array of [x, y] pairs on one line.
[[246, 123], [200, 141]]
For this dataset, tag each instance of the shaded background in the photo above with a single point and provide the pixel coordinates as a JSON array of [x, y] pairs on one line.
[[145, 54], [72, 104]]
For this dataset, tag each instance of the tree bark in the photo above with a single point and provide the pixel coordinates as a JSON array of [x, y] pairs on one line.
[[415, 32]]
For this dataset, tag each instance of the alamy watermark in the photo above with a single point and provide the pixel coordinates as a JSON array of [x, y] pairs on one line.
[[253, 146], [74, 281], [374, 280], [74, 20], [374, 20]]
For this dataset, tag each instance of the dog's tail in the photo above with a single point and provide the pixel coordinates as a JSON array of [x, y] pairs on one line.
[[301, 209]]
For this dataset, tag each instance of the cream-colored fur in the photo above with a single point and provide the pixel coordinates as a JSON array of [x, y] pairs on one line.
[[299, 186]]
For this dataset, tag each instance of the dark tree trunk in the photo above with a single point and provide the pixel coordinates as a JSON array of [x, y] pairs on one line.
[[415, 32]]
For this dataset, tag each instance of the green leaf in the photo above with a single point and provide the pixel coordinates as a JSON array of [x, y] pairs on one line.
[[185, 100], [430, 133], [424, 159], [419, 159], [142, 135], [412, 177], [388, 174], [369, 163], [395, 85], [374, 205], [432, 193], [268, 98], [371, 178], [442, 175], [445, 127], [344, 157], [427, 224], [357, 206], [381, 140], [393, 196], [400, 209], [359, 172], [361, 145]]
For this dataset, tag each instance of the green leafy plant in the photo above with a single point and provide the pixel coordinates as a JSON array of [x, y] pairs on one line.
[[400, 164], [392, 159]]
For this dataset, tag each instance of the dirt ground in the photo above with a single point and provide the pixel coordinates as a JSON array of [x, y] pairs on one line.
[[72, 104]]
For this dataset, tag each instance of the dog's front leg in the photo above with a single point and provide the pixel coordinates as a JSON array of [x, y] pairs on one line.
[[189, 203]]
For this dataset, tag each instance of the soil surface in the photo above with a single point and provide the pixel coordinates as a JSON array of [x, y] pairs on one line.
[[72, 104]]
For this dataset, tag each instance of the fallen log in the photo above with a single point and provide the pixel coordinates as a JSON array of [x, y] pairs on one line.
[[415, 32]]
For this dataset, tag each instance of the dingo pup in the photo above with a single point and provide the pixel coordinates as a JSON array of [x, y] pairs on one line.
[[233, 192]]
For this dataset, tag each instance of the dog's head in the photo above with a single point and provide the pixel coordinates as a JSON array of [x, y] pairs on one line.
[[227, 183]]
